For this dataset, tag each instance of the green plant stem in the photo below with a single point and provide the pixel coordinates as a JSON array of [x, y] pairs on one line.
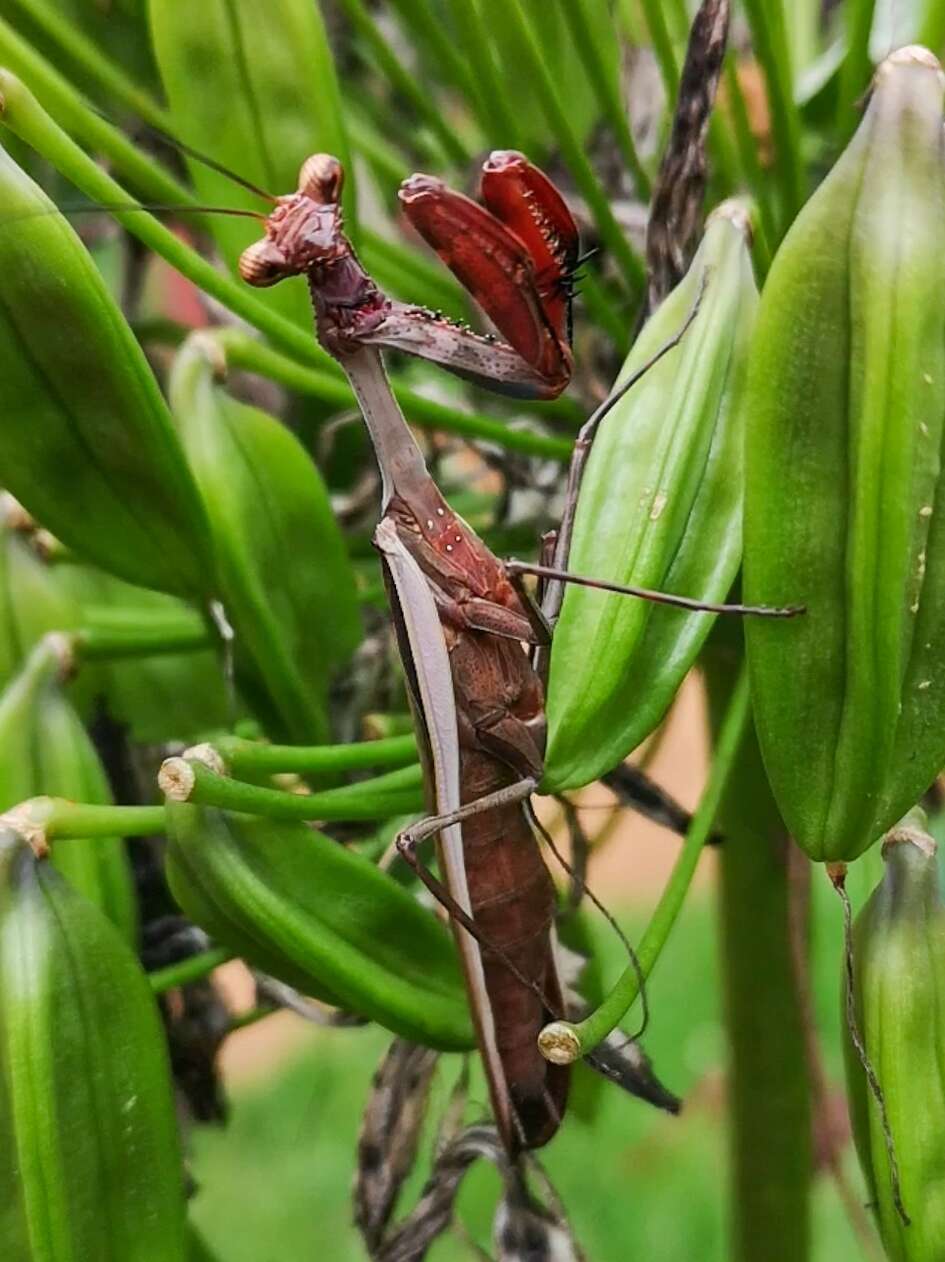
[[662, 48], [23, 114], [766, 229], [253, 757], [190, 970], [62, 818], [66, 106], [420, 99], [611, 1012], [769, 38], [542, 83], [247, 353], [445, 54], [605, 313], [395, 793], [763, 960], [606, 89], [138, 634], [498, 117], [856, 67], [84, 54]]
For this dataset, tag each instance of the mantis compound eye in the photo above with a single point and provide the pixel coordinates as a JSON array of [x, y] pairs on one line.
[[263, 263], [321, 178]]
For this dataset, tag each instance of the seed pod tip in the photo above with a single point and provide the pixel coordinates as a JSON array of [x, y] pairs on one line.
[[558, 1042], [176, 779]]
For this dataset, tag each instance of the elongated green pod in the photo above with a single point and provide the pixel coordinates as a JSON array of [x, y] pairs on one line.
[[87, 444], [285, 578], [90, 1164], [321, 918], [659, 507], [269, 98], [845, 414], [45, 750], [899, 1000]]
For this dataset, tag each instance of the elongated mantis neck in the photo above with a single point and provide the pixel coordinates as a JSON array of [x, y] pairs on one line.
[[401, 462]]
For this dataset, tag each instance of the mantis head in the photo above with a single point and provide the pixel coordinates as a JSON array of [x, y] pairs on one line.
[[304, 231]]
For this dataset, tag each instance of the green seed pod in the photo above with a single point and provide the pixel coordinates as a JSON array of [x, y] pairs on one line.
[[845, 412], [45, 749], [87, 443], [285, 579], [90, 1164], [269, 97], [659, 507], [159, 698], [899, 1001], [320, 917]]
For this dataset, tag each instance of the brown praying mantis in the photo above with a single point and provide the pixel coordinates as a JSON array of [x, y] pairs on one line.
[[465, 625]]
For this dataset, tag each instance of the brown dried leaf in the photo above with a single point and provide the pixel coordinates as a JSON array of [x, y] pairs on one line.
[[390, 1131], [680, 185]]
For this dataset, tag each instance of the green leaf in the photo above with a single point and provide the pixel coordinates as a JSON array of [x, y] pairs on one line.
[[87, 443]]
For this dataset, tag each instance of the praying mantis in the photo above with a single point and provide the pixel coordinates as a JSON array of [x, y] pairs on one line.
[[466, 628]]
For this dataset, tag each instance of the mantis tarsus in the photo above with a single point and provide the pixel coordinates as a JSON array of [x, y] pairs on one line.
[[462, 620]]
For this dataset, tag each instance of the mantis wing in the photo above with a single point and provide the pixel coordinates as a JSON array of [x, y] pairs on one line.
[[426, 662]]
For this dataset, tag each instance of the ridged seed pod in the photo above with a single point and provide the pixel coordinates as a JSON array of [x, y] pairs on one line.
[[845, 413], [90, 1163], [659, 507], [285, 579], [320, 917], [899, 996]]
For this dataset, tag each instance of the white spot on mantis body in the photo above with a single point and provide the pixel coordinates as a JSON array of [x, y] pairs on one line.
[[924, 428], [440, 512], [914, 608], [927, 378], [921, 566], [925, 510], [449, 547], [926, 683], [659, 503], [429, 523]]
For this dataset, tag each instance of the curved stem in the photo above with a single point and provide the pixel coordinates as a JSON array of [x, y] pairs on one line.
[[248, 353], [763, 920], [244, 757], [74, 44], [396, 793], [595, 1028], [190, 970], [120, 633], [59, 818], [769, 38]]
